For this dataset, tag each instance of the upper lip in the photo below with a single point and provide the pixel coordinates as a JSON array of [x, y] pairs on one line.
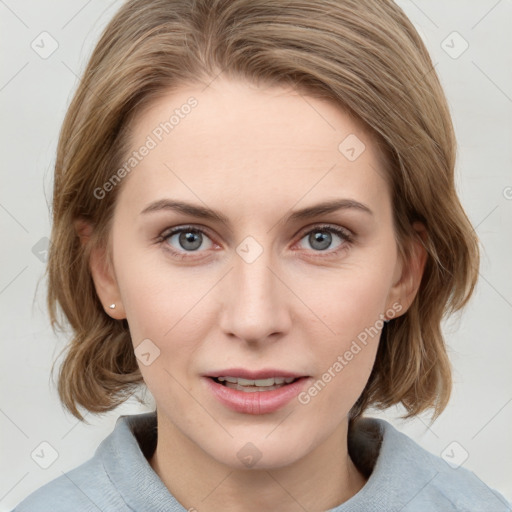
[[243, 373]]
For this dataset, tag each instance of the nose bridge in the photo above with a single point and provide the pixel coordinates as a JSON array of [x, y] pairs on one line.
[[255, 305]]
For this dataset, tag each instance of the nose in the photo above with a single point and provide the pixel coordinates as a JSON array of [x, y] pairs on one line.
[[255, 307]]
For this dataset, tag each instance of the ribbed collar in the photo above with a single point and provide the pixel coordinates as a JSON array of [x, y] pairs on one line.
[[129, 470]]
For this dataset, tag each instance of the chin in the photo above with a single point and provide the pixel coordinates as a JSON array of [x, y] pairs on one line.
[[262, 448]]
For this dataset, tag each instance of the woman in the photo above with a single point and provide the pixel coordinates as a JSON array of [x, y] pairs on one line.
[[255, 217]]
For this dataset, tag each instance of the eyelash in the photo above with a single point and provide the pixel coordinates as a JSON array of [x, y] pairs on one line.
[[345, 235]]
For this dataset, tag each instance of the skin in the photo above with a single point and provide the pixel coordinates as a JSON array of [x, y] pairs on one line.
[[254, 155]]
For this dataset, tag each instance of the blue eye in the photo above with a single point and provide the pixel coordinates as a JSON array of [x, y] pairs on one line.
[[188, 239], [321, 238], [184, 241]]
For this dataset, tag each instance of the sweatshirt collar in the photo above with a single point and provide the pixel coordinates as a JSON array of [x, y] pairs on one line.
[[129, 470]]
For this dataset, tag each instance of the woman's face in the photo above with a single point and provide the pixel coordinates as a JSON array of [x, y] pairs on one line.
[[228, 266]]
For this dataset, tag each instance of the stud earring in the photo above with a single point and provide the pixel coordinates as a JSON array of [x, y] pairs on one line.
[[112, 306]]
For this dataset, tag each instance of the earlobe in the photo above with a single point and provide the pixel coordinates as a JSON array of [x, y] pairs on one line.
[[102, 273], [406, 287]]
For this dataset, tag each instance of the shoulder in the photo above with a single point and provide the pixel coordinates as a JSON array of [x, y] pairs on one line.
[[407, 475], [83, 489], [118, 478], [91, 486], [432, 481]]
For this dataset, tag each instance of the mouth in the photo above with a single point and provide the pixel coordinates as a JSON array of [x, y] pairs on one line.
[[254, 385], [250, 392]]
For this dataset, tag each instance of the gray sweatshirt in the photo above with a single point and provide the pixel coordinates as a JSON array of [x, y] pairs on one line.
[[404, 477]]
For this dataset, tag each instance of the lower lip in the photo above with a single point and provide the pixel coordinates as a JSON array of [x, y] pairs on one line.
[[257, 402]]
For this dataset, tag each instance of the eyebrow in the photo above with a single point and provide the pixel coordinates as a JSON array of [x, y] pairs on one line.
[[212, 215]]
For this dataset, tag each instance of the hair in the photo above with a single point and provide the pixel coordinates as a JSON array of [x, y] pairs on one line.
[[363, 55]]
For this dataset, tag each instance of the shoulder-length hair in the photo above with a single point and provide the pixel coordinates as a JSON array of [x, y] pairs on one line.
[[363, 55]]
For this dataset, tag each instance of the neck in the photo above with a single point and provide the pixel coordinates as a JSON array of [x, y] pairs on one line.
[[200, 482]]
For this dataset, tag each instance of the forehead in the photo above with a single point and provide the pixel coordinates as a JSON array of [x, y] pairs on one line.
[[236, 140]]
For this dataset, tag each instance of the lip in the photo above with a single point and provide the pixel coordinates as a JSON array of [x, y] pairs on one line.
[[257, 402], [243, 373]]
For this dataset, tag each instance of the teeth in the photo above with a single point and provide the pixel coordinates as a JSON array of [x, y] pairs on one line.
[[258, 382]]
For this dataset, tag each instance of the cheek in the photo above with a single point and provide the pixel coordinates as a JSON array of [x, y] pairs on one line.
[[353, 300], [169, 308], [352, 307], [345, 357], [167, 316], [155, 296], [153, 302]]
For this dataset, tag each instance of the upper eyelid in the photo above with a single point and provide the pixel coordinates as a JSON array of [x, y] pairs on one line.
[[176, 229], [323, 225]]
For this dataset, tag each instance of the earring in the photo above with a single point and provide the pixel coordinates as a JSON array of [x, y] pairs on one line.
[[112, 306]]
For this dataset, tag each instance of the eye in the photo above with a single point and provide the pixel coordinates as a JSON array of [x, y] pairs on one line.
[[321, 238], [186, 239], [183, 241]]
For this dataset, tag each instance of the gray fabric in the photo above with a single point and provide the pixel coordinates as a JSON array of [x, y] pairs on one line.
[[405, 478]]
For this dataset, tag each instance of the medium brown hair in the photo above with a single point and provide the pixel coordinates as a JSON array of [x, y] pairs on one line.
[[365, 56]]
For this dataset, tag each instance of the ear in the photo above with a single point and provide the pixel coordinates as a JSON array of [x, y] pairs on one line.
[[408, 273], [102, 272]]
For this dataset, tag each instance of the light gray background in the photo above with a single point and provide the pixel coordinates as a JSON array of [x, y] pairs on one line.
[[34, 94]]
